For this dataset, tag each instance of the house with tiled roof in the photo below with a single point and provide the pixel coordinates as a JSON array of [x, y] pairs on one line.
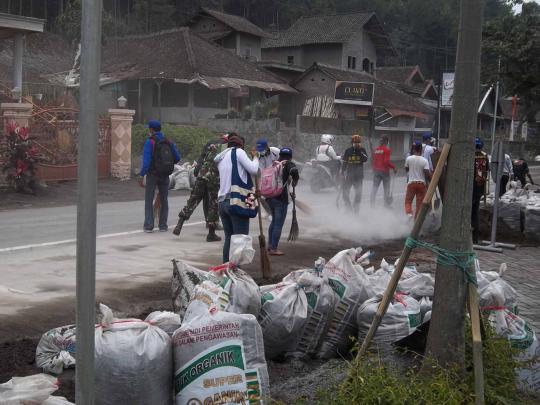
[[230, 31], [409, 79], [395, 113], [354, 41], [178, 77]]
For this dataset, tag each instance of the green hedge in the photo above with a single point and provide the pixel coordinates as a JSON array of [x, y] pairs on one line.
[[189, 140]]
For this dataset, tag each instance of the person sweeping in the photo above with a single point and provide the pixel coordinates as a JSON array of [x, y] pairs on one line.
[[278, 205]]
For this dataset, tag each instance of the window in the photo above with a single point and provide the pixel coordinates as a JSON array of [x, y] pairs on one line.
[[246, 53], [290, 60], [365, 65], [204, 97], [351, 62], [172, 94], [371, 68]]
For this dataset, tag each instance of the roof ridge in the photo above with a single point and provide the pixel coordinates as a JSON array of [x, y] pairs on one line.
[[150, 34], [191, 55], [335, 14]]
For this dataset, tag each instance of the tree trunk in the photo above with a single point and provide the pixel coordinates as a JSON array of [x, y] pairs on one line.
[[446, 335]]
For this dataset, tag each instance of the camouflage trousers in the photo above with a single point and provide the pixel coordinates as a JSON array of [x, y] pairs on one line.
[[207, 192]]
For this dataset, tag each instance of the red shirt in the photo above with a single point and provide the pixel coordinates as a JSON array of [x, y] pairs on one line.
[[381, 159]]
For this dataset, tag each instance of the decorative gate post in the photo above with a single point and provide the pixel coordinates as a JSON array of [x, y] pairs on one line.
[[18, 112], [121, 120]]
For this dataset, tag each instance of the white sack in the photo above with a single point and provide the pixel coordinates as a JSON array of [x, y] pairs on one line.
[[52, 400], [521, 336], [219, 358], [134, 363], [401, 319], [165, 320], [56, 349], [183, 282], [31, 390], [352, 287]]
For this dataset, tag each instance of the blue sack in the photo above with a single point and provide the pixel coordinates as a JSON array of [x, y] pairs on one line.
[[243, 201]]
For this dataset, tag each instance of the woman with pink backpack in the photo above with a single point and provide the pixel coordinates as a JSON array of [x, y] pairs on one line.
[[275, 182]]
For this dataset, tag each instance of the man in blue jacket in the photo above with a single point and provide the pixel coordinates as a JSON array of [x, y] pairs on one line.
[[159, 157]]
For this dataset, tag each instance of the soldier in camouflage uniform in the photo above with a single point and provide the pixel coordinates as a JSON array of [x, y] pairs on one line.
[[205, 189]]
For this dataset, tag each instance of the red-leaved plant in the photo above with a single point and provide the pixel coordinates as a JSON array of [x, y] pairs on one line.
[[21, 157]]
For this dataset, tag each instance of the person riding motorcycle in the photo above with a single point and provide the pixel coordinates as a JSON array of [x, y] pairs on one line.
[[327, 156]]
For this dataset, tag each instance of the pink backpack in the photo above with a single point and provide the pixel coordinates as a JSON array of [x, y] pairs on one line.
[[272, 180]]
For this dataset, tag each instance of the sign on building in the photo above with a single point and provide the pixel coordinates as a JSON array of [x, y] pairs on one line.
[[357, 93], [447, 93]]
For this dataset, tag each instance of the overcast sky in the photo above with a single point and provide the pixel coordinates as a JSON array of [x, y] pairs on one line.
[[517, 8]]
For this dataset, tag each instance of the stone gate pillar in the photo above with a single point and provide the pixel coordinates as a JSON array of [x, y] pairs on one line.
[[18, 112], [121, 120]]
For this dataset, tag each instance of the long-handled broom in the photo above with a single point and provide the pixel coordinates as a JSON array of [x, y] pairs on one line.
[[266, 269], [293, 234]]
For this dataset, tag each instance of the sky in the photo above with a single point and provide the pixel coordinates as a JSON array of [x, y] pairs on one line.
[[517, 8]]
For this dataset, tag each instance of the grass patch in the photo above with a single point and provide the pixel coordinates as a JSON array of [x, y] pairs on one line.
[[373, 382], [189, 140]]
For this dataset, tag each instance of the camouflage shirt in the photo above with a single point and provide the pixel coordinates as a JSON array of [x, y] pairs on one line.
[[206, 168]]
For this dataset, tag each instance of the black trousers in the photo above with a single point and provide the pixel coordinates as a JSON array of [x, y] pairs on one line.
[[478, 192], [504, 182]]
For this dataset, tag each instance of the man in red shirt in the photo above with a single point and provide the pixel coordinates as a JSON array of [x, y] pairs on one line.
[[381, 170]]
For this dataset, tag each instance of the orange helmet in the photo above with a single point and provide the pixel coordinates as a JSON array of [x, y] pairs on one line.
[[356, 139]]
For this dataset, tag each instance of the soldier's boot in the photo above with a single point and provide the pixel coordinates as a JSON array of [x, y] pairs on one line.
[[178, 227], [212, 237]]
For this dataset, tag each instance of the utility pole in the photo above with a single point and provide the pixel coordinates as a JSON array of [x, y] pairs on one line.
[[86, 204], [446, 333], [495, 110]]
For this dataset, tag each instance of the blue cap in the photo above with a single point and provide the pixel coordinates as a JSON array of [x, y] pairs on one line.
[[154, 124], [286, 151], [262, 144], [478, 142], [417, 143], [427, 135]]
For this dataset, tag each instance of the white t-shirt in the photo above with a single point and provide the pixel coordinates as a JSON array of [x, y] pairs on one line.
[[427, 152], [267, 160], [224, 164], [325, 153], [417, 165]]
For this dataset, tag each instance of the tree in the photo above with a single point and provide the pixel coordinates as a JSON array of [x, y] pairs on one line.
[[516, 40], [446, 340]]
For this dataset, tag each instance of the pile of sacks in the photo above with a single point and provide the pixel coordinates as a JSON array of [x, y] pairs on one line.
[[214, 347], [519, 209], [31, 390]]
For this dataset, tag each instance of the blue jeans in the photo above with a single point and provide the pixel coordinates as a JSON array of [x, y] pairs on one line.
[[279, 213], [162, 184], [232, 225]]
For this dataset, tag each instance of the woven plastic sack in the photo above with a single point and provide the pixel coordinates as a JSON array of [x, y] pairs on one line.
[[219, 359], [426, 304], [400, 320], [241, 294], [165, 320], [532, 222], [56, 349], [352, 287], [283, 315], [134, 363], [522, 337], [510, 213], [493, 291], [31, 390], [321, 300], [183, 282]]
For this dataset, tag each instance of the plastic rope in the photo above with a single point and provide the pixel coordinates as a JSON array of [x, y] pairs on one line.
[[462, 260]]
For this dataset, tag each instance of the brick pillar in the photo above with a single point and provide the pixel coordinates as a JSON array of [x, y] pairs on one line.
[[18, 112], [121, 120]]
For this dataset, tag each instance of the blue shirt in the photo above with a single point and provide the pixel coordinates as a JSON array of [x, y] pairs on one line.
[[148, 152]]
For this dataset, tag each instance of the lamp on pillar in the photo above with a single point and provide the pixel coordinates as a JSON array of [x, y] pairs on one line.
[[122, 102]]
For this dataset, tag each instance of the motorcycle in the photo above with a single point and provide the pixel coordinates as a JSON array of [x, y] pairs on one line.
[[322, 176]]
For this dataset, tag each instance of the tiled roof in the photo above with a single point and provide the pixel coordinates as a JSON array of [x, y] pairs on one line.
[[237, 23], [397, 74], [181, 55], [320, 29]]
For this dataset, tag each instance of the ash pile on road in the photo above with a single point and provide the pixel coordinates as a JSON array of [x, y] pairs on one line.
[[229, 338]]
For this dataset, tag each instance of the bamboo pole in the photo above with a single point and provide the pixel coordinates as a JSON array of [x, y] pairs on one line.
[[392, 285], [476, 345]]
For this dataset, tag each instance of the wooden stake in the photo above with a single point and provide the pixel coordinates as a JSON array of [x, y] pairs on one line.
[[392, 285], [476, 345]]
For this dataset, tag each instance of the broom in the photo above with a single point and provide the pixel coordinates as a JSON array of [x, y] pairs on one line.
[[293, 233], [265, 260]]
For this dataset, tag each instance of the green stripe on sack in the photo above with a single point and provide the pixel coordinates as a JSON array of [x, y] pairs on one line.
[[228, 356]]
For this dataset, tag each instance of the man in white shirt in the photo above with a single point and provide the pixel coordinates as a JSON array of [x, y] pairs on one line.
[[419, 173], [428, 149], [233, 224], [508, 173], [267, 154]]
